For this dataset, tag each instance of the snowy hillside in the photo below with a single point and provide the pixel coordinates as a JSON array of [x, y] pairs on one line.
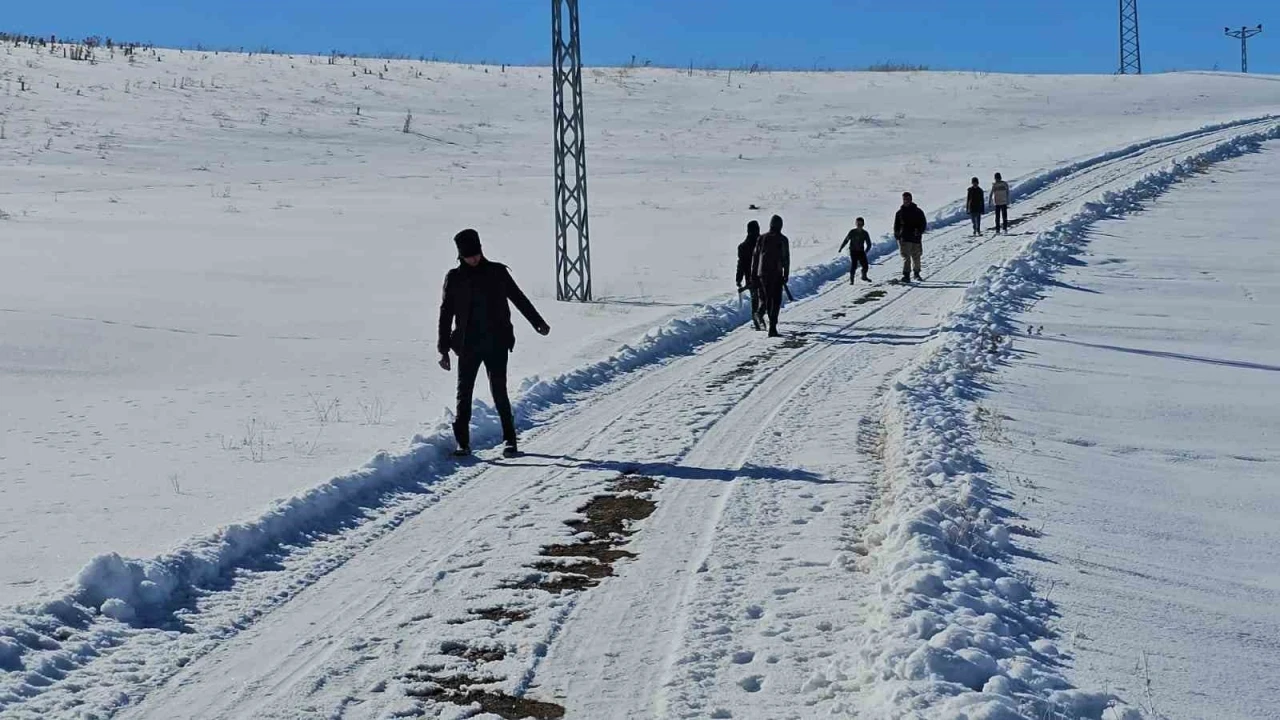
[[218, 291]]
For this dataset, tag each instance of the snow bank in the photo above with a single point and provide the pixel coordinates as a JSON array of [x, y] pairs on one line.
[[145, 591], [952, 633]]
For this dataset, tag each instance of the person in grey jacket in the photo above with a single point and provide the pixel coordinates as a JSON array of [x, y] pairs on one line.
[[1000, 201]]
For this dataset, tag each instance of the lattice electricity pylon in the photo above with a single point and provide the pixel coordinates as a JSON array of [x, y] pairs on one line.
[[1243, 34], [1130, 50], [573, 254]]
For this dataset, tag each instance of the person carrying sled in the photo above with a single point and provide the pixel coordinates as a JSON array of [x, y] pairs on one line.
[[975, 204], [745, 279], [909, 226], [475, 325], [859, 242], [771, 268], [1000, 201]]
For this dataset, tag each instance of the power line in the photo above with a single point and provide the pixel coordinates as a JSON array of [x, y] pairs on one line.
[[1130, 50], [1243, 35]]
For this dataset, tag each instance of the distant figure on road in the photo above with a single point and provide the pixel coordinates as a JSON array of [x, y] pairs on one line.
[[1000, 200], [745, 279], [976, 205], [475, 324], [859, 242], [772, 268], [908, 228]]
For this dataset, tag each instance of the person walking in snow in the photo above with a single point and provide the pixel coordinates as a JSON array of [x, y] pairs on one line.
[[1000, 201], [859, 242], [975, 205], [771, 268], [475, 324], [909, 226], [745, 279]]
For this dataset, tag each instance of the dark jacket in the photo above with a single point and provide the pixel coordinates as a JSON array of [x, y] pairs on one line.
[[909, 224], [859, 242], [746, 254], [976, 204], [773, 257], [474, 314]]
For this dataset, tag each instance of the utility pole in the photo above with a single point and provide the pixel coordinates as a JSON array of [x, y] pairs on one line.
[[1244, 34], [573, 251], [1130, 50]]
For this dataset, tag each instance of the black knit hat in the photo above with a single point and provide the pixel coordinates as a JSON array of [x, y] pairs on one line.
[[775, 223], [468, 242], [753, 228]]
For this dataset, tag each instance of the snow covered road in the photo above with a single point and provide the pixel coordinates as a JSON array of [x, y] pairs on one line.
[[764, 458]]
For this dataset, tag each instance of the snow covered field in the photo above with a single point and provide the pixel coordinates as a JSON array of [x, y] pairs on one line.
[[219, 288], [1137, 433], [219, 280]]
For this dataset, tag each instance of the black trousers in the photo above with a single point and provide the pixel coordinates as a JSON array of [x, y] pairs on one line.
[[1002, 218], [495, 364], [772, 302], [859, 261], [757, 306]]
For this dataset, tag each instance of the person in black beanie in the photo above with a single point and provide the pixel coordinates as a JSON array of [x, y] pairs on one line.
[[475, 324]]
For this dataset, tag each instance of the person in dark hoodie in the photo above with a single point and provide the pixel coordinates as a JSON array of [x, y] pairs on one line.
[[976, 205], [745, 280], [771, 268], [909, 226], [475, 324]]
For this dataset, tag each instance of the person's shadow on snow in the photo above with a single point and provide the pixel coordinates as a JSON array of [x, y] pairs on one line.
[[674, 470]]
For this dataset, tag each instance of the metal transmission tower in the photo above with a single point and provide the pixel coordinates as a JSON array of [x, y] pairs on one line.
[[573, 251], [1244, 34], [1130, 50]]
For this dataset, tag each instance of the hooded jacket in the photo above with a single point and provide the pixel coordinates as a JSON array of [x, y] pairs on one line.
[[910, 223], [999, 193], [474, 314], [746, 254], [773, 255]]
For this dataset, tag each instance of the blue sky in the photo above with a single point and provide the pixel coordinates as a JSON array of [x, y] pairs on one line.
[[993, 35]]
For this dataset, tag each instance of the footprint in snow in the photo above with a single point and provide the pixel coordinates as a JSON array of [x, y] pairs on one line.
[[743, 657], [755, 612], [751, 683]]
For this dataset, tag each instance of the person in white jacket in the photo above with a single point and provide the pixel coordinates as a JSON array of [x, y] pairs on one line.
[[1000, 201]]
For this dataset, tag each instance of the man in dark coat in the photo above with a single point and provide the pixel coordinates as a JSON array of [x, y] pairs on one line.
[[475, 324], [908, 228], [859, 242], [747, 253], [976, 205], [771, 268]]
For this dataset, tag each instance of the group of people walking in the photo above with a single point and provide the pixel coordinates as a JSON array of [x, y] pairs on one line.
[[475, 314], [763, 267], [975, 204]]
